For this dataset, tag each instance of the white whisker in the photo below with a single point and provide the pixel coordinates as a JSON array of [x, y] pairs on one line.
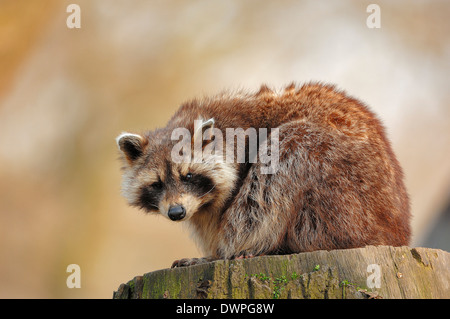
[[208, 191]]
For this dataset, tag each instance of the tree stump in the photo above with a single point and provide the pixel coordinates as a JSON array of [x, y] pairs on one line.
[[369, 272]]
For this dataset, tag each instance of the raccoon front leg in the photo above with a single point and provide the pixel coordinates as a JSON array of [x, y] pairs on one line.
[[252, 227]]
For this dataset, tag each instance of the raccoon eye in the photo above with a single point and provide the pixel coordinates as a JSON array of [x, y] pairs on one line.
[[187, 177], [157, 185]]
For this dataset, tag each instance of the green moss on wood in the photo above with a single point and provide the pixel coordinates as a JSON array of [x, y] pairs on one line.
[[320, 274]]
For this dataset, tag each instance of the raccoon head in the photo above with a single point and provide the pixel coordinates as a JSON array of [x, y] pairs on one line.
[[154, 182]]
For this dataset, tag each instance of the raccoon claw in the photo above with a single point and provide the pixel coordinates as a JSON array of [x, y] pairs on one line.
[[182, 263], [185, 262], [244, 256]]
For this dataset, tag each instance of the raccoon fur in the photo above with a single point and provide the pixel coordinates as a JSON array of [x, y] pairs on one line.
[[337, 185]]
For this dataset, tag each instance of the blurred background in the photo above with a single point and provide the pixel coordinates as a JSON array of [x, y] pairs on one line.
[[65, 94]]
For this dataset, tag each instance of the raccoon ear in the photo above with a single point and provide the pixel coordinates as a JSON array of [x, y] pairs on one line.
[[209, 124], [131, 145], [201, 129]]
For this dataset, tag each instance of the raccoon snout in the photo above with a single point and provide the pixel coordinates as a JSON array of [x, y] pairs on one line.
[[176, 212]]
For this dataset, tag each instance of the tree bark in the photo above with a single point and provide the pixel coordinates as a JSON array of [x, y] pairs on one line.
[[369, 272]]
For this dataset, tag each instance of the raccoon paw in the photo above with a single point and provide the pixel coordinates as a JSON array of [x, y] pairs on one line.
[[185, 262], [244, 256]]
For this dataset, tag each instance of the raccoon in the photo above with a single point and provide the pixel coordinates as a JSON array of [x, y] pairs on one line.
[[337, 183]]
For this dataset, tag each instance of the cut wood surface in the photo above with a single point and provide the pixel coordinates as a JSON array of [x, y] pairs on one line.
[[369, 272]]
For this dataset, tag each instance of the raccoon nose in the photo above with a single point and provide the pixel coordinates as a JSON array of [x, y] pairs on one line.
[[176, 212]]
